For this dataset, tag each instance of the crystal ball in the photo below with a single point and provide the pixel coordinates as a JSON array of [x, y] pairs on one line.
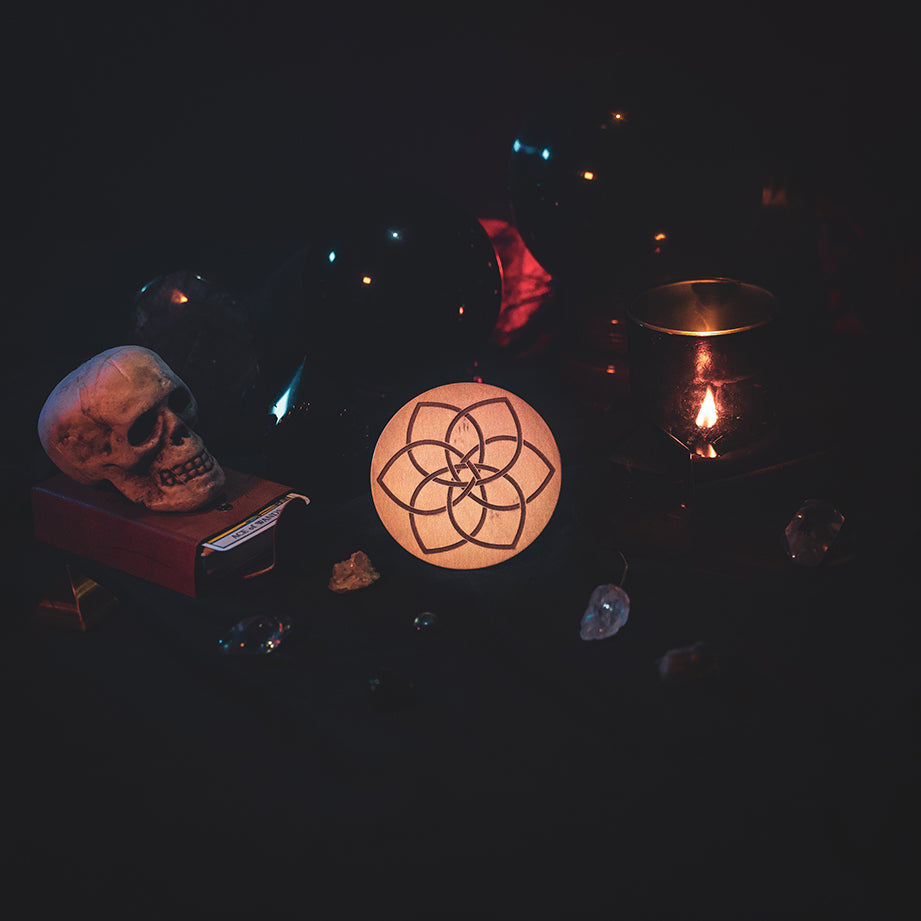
[[202, 331], [634, 175], [398, 279], [318, 409]]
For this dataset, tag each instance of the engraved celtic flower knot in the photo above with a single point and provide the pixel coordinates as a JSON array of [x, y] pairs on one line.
[[466, 472]]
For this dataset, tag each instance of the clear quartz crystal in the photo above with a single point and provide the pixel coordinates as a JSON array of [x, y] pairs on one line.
[[254, 636], [811, 532], [607, 611]]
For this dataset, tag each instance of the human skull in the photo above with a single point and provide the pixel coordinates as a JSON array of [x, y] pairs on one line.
[[125, 417]]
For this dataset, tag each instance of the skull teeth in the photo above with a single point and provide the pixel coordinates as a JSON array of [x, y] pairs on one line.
[[184, 472]]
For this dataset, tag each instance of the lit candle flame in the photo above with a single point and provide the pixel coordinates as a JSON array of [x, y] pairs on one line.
[[707, 416], [177, 297]]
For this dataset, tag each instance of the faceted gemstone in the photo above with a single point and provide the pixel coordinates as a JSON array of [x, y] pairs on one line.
[[811, 532], [254, 636], [607, 611], [427, 622]]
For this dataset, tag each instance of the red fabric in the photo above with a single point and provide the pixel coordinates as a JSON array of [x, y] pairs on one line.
[[525, 284]]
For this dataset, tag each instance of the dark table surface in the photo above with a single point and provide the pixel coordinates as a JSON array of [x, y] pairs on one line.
[[531, 774]]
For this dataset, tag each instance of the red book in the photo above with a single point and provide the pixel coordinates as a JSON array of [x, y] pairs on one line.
[[178, 550]]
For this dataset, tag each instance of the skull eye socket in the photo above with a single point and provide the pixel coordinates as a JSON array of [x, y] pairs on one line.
[[142, 428], [179, 400]]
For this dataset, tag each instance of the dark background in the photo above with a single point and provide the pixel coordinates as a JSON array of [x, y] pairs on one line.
[[146, 782], [215, 129]]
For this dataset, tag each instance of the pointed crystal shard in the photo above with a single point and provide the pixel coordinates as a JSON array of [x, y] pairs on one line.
[[811, 532], [254, 636], [607, 611]]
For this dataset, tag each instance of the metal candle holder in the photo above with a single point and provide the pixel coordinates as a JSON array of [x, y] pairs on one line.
[[701, 355]]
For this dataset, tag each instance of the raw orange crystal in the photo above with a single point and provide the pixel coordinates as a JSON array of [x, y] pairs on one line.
[[355, 572]]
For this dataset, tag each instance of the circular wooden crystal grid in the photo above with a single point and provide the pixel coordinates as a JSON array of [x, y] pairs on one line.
[[465, 476]]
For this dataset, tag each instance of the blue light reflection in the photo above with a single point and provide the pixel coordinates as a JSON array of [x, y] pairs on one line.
[[284, 401]]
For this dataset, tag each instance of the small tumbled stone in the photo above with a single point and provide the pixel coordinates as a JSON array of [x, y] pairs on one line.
[[254, 636], [427, 622], [608, 610], [353, 573], [689, 663]]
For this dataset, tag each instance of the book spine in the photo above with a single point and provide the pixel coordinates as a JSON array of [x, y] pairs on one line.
[[155, 554]]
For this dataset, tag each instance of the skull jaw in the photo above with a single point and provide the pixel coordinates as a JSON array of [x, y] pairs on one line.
[[198, 492]]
